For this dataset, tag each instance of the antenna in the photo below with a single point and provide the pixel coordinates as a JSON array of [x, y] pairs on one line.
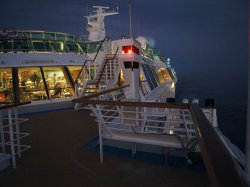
[[138, 29], [130, 24], [87, 9]]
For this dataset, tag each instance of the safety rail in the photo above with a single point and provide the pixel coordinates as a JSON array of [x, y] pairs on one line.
[[85, 73], [97, 52], [35, 34], [46, 45], [125, 120], [106, 61], [10, 131]]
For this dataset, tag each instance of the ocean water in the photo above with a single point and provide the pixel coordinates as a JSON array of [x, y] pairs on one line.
[[230, 101]]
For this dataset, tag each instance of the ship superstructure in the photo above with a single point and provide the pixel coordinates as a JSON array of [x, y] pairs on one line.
[[128, 86]]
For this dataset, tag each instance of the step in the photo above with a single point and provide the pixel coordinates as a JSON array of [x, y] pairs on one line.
[[90, 84], [89, 92]]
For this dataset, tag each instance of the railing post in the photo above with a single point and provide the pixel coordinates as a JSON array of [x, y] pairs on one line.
[[17, 131], [12, 142]]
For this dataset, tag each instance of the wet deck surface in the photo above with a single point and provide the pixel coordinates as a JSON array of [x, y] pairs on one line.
[[58, 158]]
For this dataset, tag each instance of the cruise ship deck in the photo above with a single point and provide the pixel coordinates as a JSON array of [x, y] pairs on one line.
[[58, 158]]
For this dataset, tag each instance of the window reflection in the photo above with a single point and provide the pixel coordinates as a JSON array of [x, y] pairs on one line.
[[31, 84], [6, 85], [57, 82], [74, 71]]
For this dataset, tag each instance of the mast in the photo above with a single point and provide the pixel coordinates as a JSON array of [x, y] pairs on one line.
[[130, 19], [247, 168], [96, 26]]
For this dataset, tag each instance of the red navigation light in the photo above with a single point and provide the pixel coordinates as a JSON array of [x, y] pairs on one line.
[[129, 49]]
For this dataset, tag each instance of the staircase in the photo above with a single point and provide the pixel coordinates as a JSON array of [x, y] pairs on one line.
[[105, 77]]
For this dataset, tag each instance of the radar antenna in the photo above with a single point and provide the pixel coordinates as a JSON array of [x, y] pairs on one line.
[[96, 26]]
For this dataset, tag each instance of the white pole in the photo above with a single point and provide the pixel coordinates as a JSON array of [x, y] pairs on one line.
[[130, 19], [12, 142], [17, 132], [248, 109]]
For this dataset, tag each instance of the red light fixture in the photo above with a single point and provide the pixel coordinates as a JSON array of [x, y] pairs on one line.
[[130, 49]]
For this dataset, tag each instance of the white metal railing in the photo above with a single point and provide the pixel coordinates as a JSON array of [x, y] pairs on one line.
[[10, 134], [166, 127]]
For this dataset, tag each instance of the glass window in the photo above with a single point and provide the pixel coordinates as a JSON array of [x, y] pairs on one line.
[[162, 75], [57, 46], [57, 82], [31, 84], [74, 71], [6, 85]]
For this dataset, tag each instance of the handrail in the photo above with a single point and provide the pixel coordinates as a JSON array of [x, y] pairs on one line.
[[106, 61], [221, 167], [14, 104], [88, 100], [98, 50], [81, 70], [132, 103], [102, 93]]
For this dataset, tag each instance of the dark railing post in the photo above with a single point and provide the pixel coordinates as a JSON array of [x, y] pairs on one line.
[[45, 83], [15, 82]]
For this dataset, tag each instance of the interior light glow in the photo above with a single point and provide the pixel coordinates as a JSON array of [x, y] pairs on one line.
[[130, 51]]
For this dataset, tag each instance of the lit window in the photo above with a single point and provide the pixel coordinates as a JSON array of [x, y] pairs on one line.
[[6, 85], [74, 71], [57, 82], [31, 84]]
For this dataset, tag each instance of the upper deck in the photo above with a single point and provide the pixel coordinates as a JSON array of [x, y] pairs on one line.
[[42, 41]]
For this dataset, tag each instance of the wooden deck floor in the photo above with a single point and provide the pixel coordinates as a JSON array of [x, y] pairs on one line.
[[57, 158]]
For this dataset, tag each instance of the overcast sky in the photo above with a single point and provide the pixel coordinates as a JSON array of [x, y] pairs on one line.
[[198, 35]]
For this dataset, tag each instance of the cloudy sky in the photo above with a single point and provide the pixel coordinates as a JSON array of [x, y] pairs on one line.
[[198, 35]]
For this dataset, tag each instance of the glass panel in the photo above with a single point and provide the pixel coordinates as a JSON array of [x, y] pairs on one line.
[[38, 46], [57, 46], [74, 71], [31, 84], [60, 36], [50, 36], [152, 75], [57, 82], [147, 77], [83, 46], [72, 47], [6, 85], [22, 45], [37, 35]]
